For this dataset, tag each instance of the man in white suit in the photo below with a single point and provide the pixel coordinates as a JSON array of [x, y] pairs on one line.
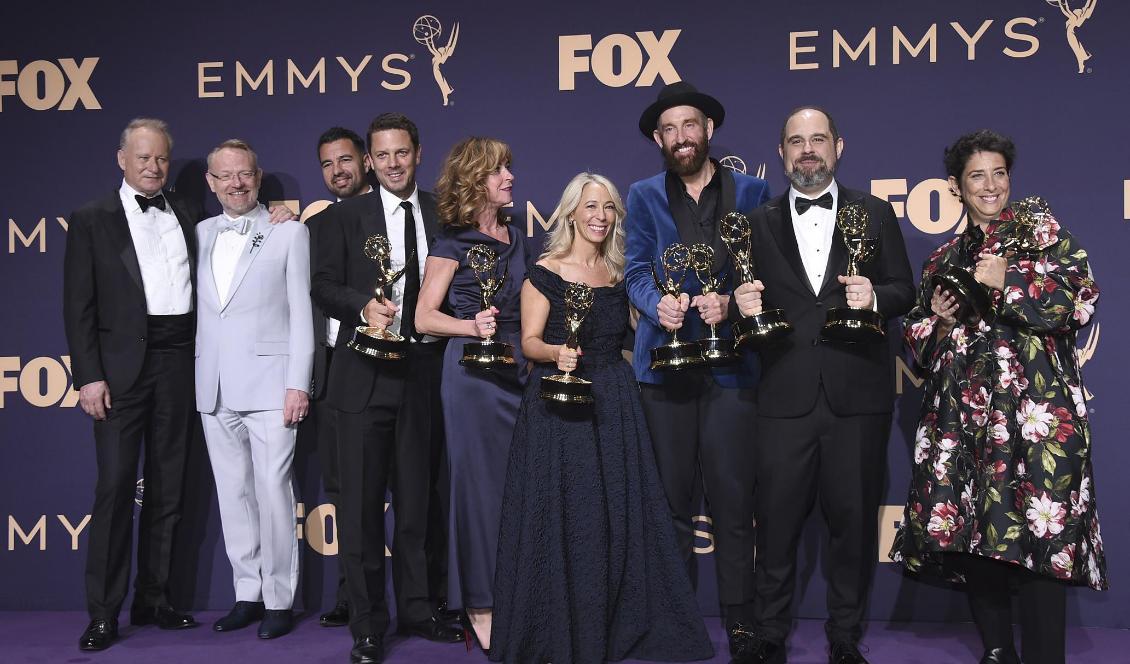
[[254, 350]]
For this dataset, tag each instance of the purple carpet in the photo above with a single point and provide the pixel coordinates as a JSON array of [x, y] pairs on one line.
[[52, 636]]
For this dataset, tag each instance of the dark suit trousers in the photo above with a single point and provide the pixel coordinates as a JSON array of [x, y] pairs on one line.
[[389, 438], [696, 424], [841, 459], [325, 431], [160, 410]]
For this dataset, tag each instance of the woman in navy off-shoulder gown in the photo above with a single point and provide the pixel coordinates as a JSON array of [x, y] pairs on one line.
[[588, 569], [479, 407]]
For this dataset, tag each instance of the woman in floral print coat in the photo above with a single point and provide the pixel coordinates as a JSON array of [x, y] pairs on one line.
[[1002, 493]]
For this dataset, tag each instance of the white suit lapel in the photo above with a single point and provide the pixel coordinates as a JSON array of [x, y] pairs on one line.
[[208, 288], [260, 231]]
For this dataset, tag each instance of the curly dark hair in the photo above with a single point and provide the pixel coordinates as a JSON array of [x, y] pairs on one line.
[[983, 140]]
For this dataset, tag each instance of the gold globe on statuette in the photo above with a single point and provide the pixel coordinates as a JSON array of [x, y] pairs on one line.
[[769, 325], [675, 354], [567, 388], [974, 302], [488, 353], [376, 341], [848, 324], [716, 351]]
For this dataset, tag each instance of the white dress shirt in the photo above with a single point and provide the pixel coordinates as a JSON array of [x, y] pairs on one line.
[[230, 244], [162, 255], [814, 231], [394, 227]]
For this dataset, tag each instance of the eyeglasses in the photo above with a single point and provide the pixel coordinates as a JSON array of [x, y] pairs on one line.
[[228, 177]]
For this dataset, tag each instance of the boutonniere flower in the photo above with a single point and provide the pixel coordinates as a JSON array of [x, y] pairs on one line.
[[255, 242]]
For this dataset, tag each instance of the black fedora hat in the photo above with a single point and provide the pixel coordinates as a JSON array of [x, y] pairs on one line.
[[680, 93]]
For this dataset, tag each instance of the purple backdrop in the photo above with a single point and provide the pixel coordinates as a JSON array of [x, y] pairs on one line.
[[564, 86]]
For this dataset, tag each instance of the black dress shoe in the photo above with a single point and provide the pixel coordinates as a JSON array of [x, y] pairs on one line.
[[1000, 656], [337, 617], [748, 648], [845, 653], [432, 630], [276, 623], [446, 615], [367, 650], [240, 616], [164, 617], [99, 635]]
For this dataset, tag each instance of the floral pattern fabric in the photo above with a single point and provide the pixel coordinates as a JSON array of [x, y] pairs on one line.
[[1002, 452]]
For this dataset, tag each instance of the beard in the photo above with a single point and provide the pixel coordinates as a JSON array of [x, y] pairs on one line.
[[686, 165], [819, 176]]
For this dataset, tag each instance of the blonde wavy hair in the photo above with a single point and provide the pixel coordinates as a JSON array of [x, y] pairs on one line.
[[461, 191], [559, 240]]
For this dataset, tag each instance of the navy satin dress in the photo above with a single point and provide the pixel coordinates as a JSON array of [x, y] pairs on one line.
[[479, 409], [588, 569]]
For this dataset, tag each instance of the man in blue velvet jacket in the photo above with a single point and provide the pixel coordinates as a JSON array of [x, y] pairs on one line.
[[700, 419]]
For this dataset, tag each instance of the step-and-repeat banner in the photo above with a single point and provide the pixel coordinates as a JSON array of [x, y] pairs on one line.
[[564, 84]]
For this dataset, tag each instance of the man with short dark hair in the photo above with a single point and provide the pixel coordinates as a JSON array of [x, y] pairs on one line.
[[698, 418], [824, 407], [345, 171], [128, 278], [385, 408], [345, 164]]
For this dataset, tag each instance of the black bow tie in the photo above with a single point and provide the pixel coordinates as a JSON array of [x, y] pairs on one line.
[[157, 201], [802, 204]]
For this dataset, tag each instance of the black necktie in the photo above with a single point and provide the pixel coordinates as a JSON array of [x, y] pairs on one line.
[[802, 204], [411, 275], [157, 201]]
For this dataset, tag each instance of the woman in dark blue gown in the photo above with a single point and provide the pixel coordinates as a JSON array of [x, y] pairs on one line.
[[479, 407], [588, 569]]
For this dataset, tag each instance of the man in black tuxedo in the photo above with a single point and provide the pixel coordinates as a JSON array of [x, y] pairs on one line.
[[824, 407], [385, 408], [128, 280], [345, 170]]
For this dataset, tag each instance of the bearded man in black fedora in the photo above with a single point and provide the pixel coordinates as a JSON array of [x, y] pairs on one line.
[[699, 418]]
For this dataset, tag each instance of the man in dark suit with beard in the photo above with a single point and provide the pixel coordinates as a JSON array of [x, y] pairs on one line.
[[345, 172], [128, 281], [385, 408], [824, 407]]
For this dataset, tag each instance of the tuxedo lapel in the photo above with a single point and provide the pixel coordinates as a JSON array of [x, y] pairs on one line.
[[781, 226], [837, 253], [373, 219], [260, 231], [373, 223], [118, 227]]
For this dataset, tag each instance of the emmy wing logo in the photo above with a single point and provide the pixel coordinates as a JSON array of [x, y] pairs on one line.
[[426, 30], [1075, 18], [737, 164]]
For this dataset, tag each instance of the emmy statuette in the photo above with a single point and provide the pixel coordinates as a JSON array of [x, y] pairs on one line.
[[567, 388], [378, 342], [769, 325], [848, 324], [675, 354], [488, 353]]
